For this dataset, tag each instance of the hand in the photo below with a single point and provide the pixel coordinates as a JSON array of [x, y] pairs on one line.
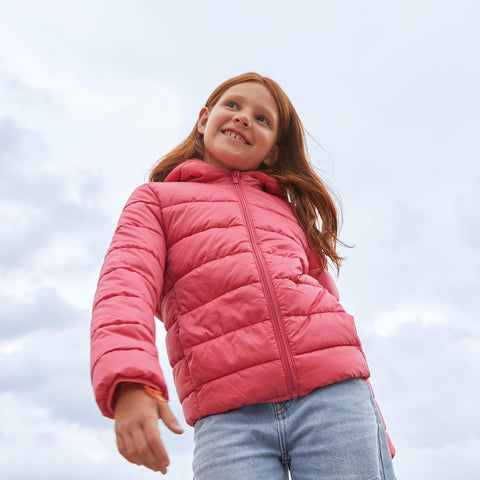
[[136, 426]]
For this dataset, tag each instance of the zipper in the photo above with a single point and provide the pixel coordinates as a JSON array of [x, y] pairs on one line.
[[280, 334]]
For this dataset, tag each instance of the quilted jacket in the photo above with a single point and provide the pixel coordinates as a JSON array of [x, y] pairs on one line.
[[219, 257]]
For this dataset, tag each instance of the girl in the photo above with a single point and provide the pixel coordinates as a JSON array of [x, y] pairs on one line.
[[223, 245]]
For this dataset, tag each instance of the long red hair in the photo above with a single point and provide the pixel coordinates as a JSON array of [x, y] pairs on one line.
[[310, 198]]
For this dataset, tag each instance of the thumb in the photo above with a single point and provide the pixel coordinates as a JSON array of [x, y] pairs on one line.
[[168, 418]]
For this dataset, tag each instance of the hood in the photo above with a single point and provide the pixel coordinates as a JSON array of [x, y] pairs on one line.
[[196, 170]]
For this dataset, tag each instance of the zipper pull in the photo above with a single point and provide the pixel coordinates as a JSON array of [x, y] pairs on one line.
[[235, 175]]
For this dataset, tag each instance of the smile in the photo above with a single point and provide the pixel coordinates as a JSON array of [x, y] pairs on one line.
[[236, 136]]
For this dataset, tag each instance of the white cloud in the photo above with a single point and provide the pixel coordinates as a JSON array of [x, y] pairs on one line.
[[47, 409], [425, 379], [45, 447], [386, 323], [11, 346], [450, 461]]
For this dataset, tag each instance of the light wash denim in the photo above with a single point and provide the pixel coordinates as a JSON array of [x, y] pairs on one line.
[[334, 433]]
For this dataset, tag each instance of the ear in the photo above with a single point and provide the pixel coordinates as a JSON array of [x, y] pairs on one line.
[[202, 120], [272, 157]]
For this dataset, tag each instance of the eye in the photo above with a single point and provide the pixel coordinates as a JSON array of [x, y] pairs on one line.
[[263, 119], [232, 104]]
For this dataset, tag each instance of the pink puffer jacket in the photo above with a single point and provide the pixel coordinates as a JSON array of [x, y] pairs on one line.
[[219, 257]]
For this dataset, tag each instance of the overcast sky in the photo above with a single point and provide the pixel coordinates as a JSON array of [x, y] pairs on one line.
[[93, 93]]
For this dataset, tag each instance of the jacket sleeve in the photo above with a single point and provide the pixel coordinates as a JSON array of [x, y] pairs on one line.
[[129, 288]]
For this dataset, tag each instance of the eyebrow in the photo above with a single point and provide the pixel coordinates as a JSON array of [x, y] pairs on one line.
[[265, 109]]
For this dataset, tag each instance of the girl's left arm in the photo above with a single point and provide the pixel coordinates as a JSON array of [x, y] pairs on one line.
[[323, 276], [326, 280]]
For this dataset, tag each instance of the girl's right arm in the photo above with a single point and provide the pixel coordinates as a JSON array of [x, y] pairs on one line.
[[123, 326]]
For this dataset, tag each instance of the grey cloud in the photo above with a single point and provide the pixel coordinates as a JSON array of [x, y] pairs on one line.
[[10, 139], [22, 94], [45, 311], [42, 200], [418, 242], [52, 369], [428, 374]]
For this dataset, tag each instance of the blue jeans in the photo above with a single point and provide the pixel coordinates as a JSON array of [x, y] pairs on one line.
[[333, 433]]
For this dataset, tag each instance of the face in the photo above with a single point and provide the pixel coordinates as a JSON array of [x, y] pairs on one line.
[[240, 131]]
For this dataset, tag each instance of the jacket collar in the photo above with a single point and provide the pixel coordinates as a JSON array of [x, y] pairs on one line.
[[196, 170]]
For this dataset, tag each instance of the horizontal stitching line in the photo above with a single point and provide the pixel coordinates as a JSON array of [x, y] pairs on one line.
[[120, 294], [226, 333], [139, 226], [136, 247], [191, 392], [130, 269], [204, 230], [133, 202], [116, 323], [264, 229], [262, 207], [198, 201], [314, 313], [210, 261], [355, 345], [121, 350], [218, 296], [236, 371]]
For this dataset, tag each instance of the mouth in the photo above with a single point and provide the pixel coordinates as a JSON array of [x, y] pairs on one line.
[[234, 135]]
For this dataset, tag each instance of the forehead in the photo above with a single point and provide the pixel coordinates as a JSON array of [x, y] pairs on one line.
[[253, 92]]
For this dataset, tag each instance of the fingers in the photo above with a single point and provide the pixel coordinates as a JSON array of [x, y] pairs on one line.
[[168, 418], [149, 447], [142, 446], [136, 427]]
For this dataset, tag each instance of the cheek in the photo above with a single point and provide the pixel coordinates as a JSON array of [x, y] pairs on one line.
[[210, 131], [213, 127], [268, 141]]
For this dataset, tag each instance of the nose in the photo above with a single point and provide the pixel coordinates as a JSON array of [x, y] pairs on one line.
[[242, 119]]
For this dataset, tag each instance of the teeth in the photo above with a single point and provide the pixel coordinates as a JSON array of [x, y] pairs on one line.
[[229, 133]]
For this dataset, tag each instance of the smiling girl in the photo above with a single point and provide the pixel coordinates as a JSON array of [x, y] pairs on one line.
[[228, 246], [241, 130]]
